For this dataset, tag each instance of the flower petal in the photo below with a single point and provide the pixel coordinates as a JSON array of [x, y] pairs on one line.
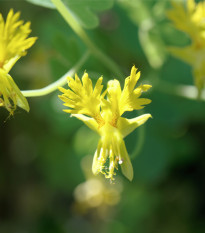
[[126, 165], [81, 97], [95, 164], [90, 122], [13, 39], [126, 126], [127, 99], [186, 54], [10, 93], [191, 5], [7, 66], [21, 100], [130, 100]]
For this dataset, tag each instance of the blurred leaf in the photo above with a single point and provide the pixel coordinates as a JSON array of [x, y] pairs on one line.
[[153, 47], [149, 33], [83, 10], [44, 3]]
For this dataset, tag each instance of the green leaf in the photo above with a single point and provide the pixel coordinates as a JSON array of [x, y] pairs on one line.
[[84, 11], [43, 3]]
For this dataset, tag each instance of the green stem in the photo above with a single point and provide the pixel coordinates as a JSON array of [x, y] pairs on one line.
[[60, 82], [69, 18]]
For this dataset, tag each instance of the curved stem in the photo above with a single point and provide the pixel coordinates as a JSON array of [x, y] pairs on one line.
[[67, 15], [60, 82]]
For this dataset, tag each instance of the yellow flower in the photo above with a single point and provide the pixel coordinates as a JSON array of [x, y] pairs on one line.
[[13, 45], [13, 39], [105, 117], [190, 19], [196, 59]]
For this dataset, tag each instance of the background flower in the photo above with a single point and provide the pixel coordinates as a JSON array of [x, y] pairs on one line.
[[189, 18], [13, 45]]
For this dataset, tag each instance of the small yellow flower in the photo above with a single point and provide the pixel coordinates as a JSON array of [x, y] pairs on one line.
[[105, 117], [13, 45], [191, 20], [13, 39]]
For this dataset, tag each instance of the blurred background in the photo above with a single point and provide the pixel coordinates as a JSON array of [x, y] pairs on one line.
[[46, 185]]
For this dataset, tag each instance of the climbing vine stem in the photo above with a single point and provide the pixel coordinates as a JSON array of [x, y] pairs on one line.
[[94, 49], [60, 82]]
